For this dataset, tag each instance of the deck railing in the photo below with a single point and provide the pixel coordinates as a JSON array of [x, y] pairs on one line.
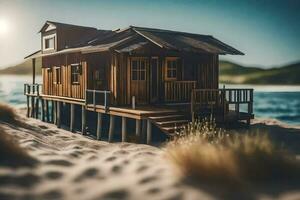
[[32, 89], [220, 99], [179, 91], [97, 98]]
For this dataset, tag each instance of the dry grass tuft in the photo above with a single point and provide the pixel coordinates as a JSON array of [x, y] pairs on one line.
[[9, 115], [11, 154], [205, 154]]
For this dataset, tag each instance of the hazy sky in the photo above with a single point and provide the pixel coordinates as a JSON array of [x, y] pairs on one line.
[[268, 31]]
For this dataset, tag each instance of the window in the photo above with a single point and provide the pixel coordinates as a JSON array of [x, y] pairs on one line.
[[49, 43], [75, 73], [138, 70], [171, 68], [57, 77]]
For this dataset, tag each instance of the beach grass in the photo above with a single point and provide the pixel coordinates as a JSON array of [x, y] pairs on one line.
[[204, 153], [9, 115]]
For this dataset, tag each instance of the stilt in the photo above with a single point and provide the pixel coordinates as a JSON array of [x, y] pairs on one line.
[[138, 129], [28, 108], [99, 125], [43, 109], [72, 118], [144, 131], [58, 114], [53, 112], [47, 110], [149, 131], [32, 107], [111, 128], [124, 132], [37, 108], [83, 120]]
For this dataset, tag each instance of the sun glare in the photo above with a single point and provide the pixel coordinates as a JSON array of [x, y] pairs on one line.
[[4, 26]]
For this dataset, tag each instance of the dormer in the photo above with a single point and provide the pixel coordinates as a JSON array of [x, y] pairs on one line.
[[49, 38], [57, 36]]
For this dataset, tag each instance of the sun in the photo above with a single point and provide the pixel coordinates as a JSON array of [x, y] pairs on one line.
[[4, 26]]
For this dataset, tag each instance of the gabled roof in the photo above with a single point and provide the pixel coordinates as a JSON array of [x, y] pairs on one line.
[[134, 37], [182, 41], [63, 25]]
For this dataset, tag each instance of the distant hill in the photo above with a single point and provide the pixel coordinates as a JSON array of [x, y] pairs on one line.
[[23, 68], [229, 73], [234, 73]]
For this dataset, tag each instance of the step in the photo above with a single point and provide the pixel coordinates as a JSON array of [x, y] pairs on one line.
[[174, 122], [170, 130], [166, 117]]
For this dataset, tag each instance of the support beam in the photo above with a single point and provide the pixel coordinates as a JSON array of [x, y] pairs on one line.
[[144, 131], [149, 131], [124, 131], [83, 120], [53, 112], [32, 107], [43, 109], [47, 111], [33, 71], [72, 117], [58, 114], [28, 107], [37, 108], [111, 128], [138, 129], [99, 125]]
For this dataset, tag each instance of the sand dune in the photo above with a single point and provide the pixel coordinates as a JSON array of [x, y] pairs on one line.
[[71, 166]]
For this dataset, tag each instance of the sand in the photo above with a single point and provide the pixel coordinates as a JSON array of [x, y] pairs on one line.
[[71, 166]]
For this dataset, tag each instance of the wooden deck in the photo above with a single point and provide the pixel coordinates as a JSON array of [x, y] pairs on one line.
[[167, 117]]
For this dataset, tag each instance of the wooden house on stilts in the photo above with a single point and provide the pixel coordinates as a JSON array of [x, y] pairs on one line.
[[135, 81]]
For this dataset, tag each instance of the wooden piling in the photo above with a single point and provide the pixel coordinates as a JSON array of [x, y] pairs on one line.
[[28, 108], [99, 125], [138, 127], [83, 120], [111, 128], [149, 131], [32, 107], [144, 131], [43, 109], [37, 108], [72, 117], [124, 131], [53, 111], [47, 110], [58, 114]]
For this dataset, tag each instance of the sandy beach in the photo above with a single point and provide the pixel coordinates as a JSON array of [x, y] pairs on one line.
[[71, 166]]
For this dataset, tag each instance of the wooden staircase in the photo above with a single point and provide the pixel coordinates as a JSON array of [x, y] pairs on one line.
[[170, 122]]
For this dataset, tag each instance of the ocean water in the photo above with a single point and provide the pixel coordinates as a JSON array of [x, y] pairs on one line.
[[278, 102]]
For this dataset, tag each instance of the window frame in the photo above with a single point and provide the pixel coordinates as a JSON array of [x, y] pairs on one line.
[[139, 71], [57, 78], [76, 73], [172, 70], [47, 38]]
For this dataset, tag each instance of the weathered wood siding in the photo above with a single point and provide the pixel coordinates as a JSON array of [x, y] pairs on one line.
[[65, 88]]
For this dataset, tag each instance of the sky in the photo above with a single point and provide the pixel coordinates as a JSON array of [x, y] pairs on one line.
[[267, 31]]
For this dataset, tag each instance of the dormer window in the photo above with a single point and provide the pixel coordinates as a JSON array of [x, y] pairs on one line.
[[49, 42]]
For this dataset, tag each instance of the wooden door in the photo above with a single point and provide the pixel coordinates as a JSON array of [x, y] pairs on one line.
[[139, 80], [154, 79]]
